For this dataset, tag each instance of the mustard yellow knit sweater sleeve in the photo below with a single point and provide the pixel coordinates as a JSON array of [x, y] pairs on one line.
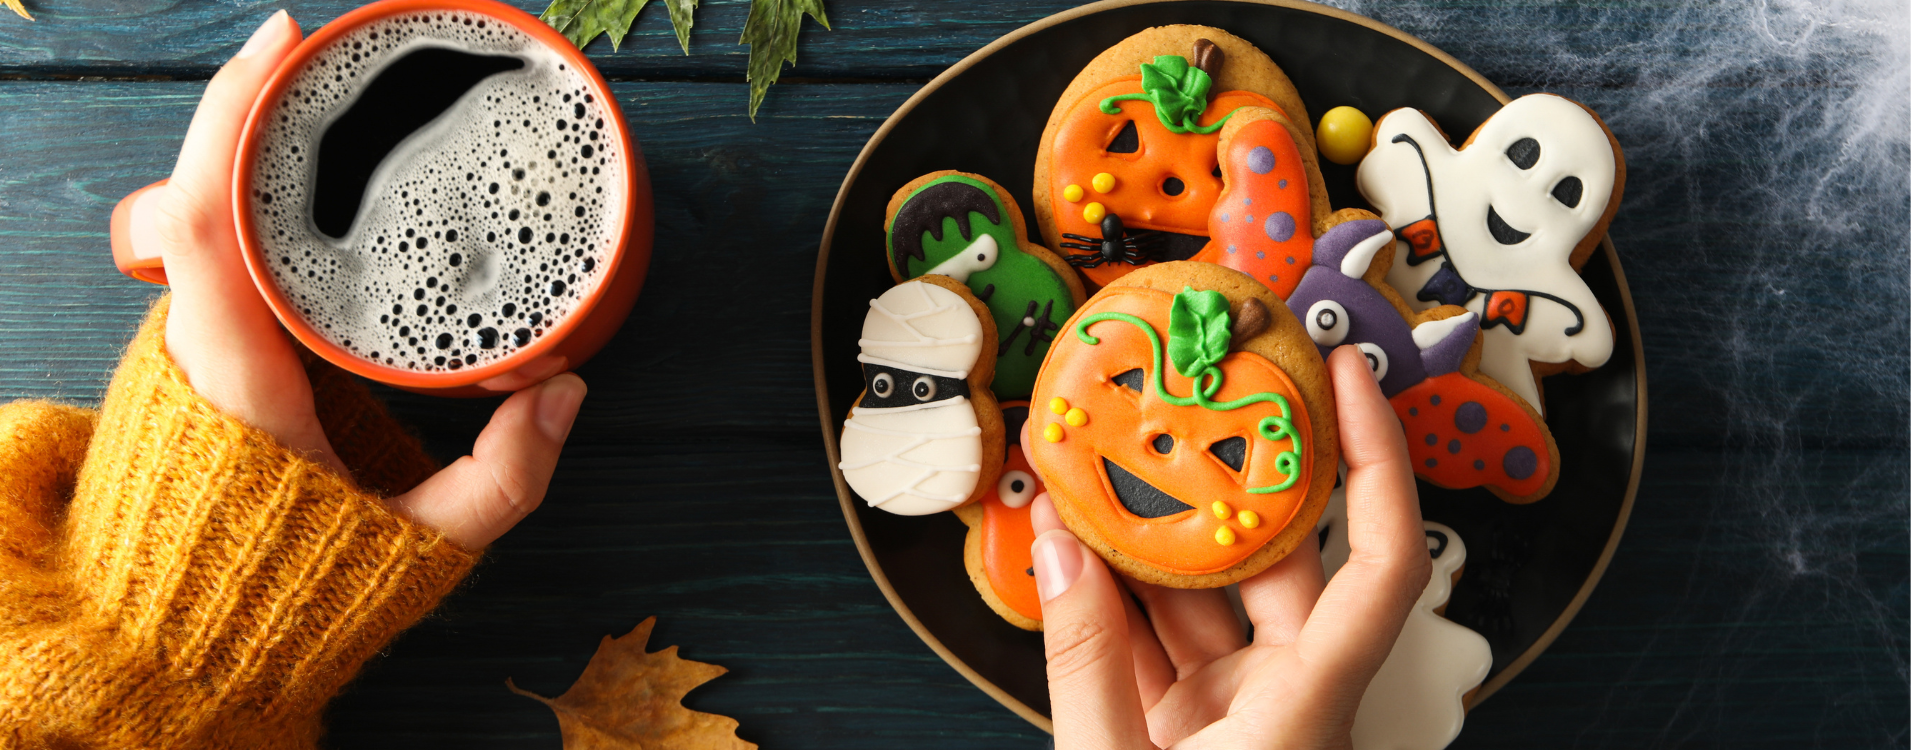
[[170, 577]]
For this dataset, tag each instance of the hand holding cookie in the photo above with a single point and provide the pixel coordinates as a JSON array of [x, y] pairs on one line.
[[1183, 674]]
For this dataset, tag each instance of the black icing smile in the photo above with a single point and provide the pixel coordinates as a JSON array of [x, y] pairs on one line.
[[1503, 232], [1138, 497]]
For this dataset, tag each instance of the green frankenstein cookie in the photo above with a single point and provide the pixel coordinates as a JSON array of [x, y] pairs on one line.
[[967, 227]]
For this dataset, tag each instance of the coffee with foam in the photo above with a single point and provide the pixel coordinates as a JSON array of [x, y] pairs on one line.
[[437, 190]]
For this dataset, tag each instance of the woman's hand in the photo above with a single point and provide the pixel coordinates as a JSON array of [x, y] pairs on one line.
[[1182, 673], [224, 337]]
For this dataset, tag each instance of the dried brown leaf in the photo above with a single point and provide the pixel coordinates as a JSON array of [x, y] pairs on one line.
[[629, 699]]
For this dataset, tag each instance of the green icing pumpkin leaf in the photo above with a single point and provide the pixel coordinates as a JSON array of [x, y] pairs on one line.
[[1198, 331], [1178, 92]]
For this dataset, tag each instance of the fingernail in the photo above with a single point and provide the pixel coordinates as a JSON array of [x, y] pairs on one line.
[[1056, 564], [559, 403], [266, 33]]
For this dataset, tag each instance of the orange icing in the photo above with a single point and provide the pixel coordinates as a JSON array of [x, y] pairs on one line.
[[1428, 412], [1007, 543], [1122, 427], [1244, 221], [1079, 152]]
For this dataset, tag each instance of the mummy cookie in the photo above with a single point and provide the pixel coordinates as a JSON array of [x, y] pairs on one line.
[[967, 227], [925, 435], [1463, 429], [1184, 432], [1000, 534], [1417, 701], [1180, 142], [1502, 226]]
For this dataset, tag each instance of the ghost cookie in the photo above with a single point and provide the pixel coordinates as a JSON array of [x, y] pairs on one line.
[[926, 434], [967, 227], [1180, 142], [1183, 425], [1463, 429], [1502, 226], [999, 533]]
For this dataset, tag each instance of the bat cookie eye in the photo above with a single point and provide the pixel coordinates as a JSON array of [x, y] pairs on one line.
[[923, 388], [1376, 359], [1327, 323], [1016, 489], [883, 385]]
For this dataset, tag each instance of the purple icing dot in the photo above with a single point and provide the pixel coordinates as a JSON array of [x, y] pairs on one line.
[[1520, 462], [1260, 160], [1226, 217], [1453, 446], [1289, 260], [1283, 184], [1435, 400], [1273, 277], [1479, 464], [1261, 254], [1279, 226], [1505, 428], [1413, 411], [1232, 249], [1247, 202], [1433, 439], [1249, 218], [1432, 463], [1471, 417]]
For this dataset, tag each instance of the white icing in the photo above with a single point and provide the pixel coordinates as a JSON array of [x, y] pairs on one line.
[[1433, 332], [921, 327], [913, 460], [1016, 488], [980, 255], [1327, 323], [1376, 359], [1464, 184], [1361, 256], [1415, 701]]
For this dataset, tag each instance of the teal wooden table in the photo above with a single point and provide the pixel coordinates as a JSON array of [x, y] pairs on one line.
[[1759, 597]]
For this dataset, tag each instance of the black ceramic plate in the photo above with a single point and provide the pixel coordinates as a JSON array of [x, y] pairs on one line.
[[1529, 567]]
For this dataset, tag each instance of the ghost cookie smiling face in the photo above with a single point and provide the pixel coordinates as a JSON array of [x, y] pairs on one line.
[[917, 441], [1502, 226]]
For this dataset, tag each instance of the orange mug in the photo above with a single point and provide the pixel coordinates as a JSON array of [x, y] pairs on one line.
[[561, 344]]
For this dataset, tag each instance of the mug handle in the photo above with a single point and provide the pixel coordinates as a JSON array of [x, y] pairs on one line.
[[136, 251]]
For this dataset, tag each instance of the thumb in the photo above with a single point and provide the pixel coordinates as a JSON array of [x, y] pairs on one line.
[[1096, 703], [481, 496]]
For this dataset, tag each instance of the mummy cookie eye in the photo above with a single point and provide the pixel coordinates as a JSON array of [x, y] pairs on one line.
[[1327, 323], [1127, 141], [1376, 359], [924, 387], [1568, 192], [883, 385], [1524, 153], [1016, 489]]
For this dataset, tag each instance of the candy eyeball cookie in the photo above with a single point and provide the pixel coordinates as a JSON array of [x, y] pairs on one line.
[[1183, 425], [967, 227], [926, 433], [1501, 226], [1178, 143], [1000, 533]]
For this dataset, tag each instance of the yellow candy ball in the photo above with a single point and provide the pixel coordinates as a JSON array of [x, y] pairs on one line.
[[1249, 519], [1076, 416], [1224, 536], [1054, 433], [1074, 193], [1103, 183], [1345, 135], [1221, 511], [1058, 405], [1094, 213]]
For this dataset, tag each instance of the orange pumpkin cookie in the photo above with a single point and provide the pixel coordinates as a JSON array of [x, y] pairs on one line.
[[1000, 535], [1184, 426], [1181, 142]]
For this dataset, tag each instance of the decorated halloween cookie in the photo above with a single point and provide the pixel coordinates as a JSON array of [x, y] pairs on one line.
[[967, 227], [1417, 701], [1000, 535], [1463, 428], [926, 434], [1502, 226], [1183, 425], [1180, 142]]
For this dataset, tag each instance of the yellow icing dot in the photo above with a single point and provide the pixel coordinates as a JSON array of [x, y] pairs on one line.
[[1103, 183], [1074, 193], [1249, 519], [1221, 510], [1345, 134], [1058, 405], [1053, 433], [1076, 416], [1224, 536], [1094, 212]]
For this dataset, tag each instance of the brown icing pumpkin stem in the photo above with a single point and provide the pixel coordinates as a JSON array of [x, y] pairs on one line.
[[1250, 321], [1208, 57]]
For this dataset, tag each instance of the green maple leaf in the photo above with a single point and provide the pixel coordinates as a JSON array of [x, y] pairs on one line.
[[773, 28], [581, 21]]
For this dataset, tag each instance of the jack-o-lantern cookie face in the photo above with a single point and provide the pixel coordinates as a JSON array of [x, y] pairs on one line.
[[1181, 460]]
